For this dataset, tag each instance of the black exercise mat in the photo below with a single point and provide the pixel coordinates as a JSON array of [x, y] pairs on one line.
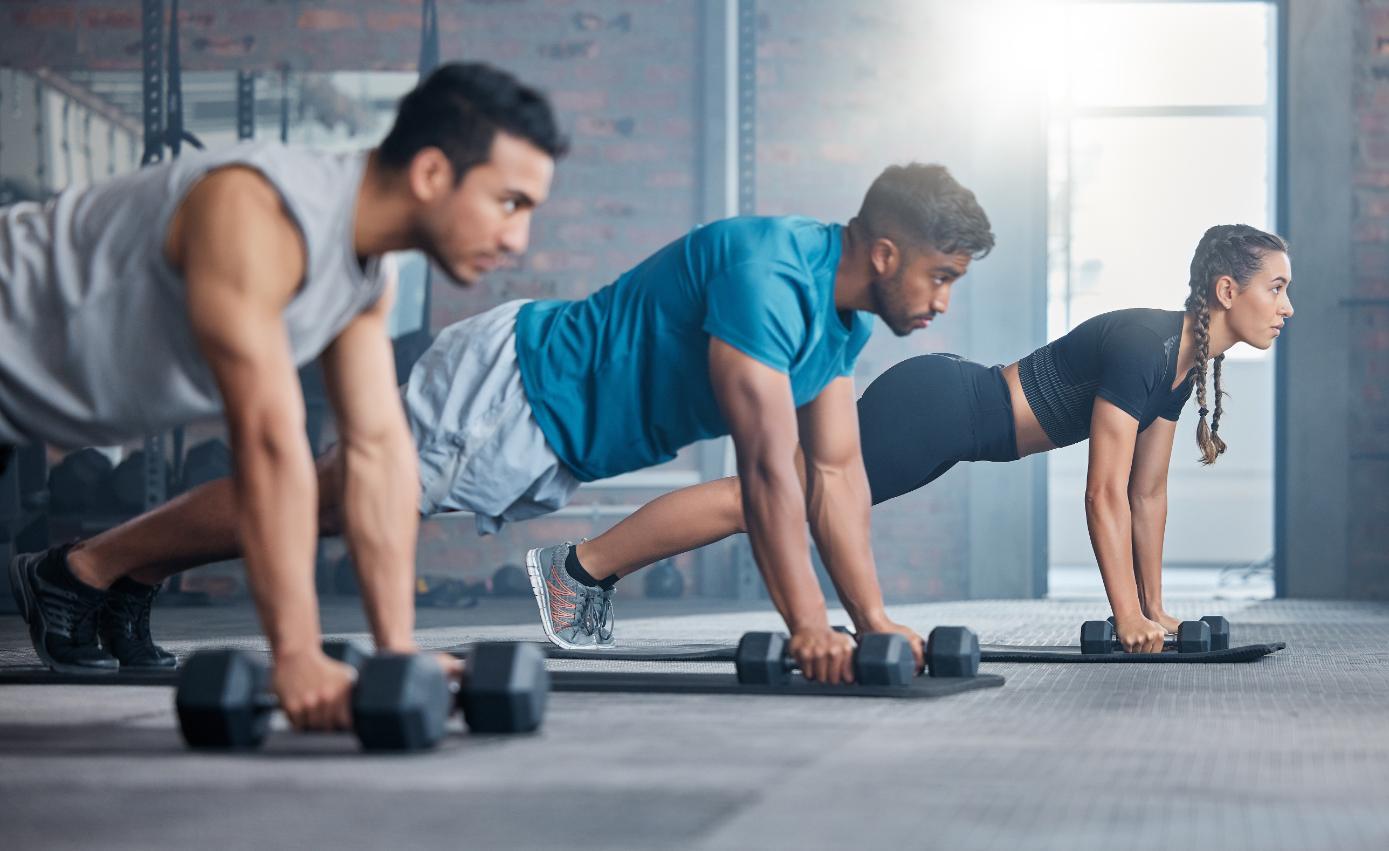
[[657, 682], [713, 652], [1063, 653], [654, 651], [36, 675], [627, 682]]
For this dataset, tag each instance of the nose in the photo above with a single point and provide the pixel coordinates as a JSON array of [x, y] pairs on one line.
[[516, 234], [940, 303], [1287, 310]]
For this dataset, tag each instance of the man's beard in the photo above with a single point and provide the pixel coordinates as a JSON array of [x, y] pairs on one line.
[[429, 247], [890, 306], [437, 264]]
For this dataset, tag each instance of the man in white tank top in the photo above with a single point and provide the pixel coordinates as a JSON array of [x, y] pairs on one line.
[[201, 286]]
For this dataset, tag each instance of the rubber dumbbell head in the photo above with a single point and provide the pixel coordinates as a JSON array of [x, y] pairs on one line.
[[761, 659], [952, 651], [1193, 637], [221, 700], [884, 659], [400, 703], [1096, 637], [505, 687], [347, 652], [1220, 632]]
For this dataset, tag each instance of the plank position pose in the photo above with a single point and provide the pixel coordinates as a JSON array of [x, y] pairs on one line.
[[199, 286], [1119, 379], [746, 326]]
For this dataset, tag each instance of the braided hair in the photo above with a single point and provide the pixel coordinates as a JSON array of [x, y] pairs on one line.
[[1237, 251]]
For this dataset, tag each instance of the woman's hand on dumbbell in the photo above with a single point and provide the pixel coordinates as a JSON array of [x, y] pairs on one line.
[[823, 655], [1137, 634], [314, 691]]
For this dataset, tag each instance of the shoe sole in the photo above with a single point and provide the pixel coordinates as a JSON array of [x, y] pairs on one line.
[[33, 616]]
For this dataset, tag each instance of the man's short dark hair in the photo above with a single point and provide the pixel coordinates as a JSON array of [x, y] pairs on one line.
[[460, 108], [921, 206]]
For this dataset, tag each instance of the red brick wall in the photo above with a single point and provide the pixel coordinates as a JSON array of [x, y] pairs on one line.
[[838, 94]]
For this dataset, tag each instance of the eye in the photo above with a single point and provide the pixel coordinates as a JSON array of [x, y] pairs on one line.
[[509, 206], [1277, 290]]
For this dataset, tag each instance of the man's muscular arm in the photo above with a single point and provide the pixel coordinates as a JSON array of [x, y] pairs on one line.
[[243, 258], [838, 505], [757, 404], [379, 476]]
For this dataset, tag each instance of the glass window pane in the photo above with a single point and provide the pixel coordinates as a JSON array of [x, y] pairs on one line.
[[1182, 54], [1142, 191]]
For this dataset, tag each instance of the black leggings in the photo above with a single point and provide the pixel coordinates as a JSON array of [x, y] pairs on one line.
[[928, 413]]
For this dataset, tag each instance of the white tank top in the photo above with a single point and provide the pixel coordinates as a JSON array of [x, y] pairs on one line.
[[95, 342]]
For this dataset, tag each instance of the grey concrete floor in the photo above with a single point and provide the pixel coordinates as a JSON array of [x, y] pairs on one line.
[[1291, 752]]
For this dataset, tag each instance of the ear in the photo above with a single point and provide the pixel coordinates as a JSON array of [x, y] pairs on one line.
[[430, 174], [885, 257], [1225, 290]]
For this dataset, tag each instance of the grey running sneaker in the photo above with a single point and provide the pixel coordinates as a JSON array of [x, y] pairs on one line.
[[575, 616]]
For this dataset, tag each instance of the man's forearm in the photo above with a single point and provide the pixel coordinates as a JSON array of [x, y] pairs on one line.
[[774, 508], [275, 492], [839, 506], [1149, 519], [381, 525]]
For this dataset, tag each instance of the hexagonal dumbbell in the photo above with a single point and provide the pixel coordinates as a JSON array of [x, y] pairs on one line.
[[504, 688], [223, 701], [400, 702], [1097, 637], [1220, 631], [881, 659], [952, 651], [347, 652]]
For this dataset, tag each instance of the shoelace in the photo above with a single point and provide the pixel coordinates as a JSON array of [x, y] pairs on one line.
[[67, 613], [561, 599], [604, 624], [133, 610], [595, 613]]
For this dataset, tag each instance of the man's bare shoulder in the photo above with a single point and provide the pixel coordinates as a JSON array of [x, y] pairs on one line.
[[234, 211]]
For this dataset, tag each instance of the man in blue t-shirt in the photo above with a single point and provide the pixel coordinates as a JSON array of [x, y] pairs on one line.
[[748, 327]]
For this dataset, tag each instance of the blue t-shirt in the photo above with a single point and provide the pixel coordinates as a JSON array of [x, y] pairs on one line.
[[620, 380]]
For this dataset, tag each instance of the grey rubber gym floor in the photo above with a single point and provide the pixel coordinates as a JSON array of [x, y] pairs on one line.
[[1291, 752]]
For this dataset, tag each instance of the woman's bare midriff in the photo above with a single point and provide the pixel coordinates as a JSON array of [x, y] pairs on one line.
[[1031, 438]]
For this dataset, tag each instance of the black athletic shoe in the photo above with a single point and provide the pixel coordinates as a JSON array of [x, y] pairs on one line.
[[124, 626], [61, 612]]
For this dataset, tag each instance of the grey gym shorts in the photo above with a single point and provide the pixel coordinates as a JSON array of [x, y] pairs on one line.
[[479, 445]]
